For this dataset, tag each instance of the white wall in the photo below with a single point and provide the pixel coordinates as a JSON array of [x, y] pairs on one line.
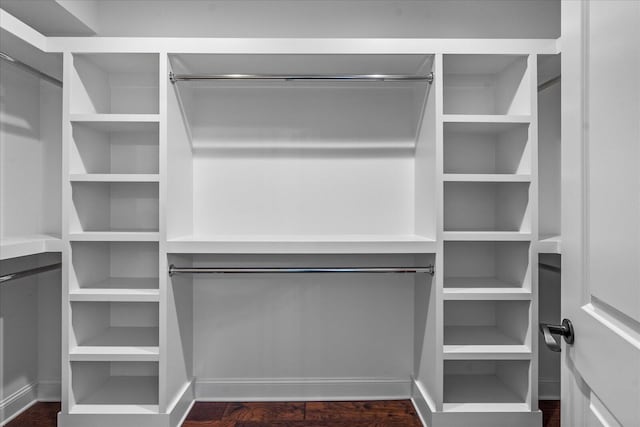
[[549, 148], [549, 303], [20, 152], [30, 154], [30, 333], [331, 18], [316, 335], [30, 180]]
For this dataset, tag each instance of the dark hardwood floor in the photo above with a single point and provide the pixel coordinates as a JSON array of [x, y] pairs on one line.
[[389, 413], [42, 414], [396, 413], [550, 412]]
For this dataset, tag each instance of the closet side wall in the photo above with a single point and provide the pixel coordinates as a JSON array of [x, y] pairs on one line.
[[30, 145], [21, 153]]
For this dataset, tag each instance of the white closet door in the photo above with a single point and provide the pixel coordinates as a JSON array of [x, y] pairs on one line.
[[601, 208]]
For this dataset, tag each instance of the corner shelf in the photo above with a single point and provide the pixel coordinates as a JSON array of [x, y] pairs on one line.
[[303, 244]]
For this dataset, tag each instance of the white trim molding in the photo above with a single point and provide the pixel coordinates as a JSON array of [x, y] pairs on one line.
[[301, 389]]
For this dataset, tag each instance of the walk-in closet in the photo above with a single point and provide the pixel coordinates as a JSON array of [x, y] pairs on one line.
[[208, 201]]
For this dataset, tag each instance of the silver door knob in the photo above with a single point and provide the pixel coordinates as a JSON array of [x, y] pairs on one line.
[[565, 330]]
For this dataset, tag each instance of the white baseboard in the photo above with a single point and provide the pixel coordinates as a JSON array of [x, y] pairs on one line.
[[430, 417], [422, 402], [14, 404], [276, 389], [179, 408], [548, 389], [113, 420]]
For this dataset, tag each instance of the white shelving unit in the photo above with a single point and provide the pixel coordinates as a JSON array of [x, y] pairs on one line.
[[489, 236], [264, 173], [243, 193], [487, 85], [114, 388], [486, 386], [112, 313], [482, 329]]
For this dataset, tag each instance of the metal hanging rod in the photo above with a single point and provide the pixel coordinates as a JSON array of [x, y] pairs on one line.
[[305, 77], [30, 69], [259, 270], [30, 272], [549, 267], [548, 83]]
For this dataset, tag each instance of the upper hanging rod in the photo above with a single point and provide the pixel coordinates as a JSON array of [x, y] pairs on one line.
[[30, 69], [293, 77], [549, 83], [253, 270], [549, 267], [29, 272]]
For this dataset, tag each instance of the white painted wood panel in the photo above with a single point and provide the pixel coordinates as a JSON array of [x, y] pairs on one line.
[[293, 325], [600, 135]]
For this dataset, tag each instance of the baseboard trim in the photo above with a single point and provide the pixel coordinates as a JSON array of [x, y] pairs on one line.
[[14, 404], [181, 405], [425, 407], [487, 419], [111, 420], [277, 389], [422, 402]]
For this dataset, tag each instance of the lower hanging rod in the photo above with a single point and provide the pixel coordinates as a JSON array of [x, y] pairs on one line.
[[305, 77], [29, 272], [260, 270]]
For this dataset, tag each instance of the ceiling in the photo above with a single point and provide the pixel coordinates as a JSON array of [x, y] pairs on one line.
[[291, 18]]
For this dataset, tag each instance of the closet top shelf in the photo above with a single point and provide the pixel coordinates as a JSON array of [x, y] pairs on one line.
[[303, 244], [305, 67]]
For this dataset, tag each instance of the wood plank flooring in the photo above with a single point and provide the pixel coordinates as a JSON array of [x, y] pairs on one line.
[[550, 412], [41, 414], [390, 413], [393, 413]]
